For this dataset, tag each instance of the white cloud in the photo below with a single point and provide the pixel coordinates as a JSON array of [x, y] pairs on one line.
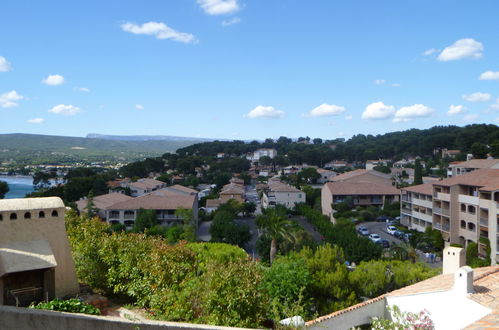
[[456, 109], [489, 75], [139, 107], [470, 118], [340, 134], [53, 80], [477, 97], [67, 110], [4, 64], [326, 110], [9, 99], [463, 48], [414, 111], [36, 121], [395, 85], [349, 117], [378, 110], [264, 112], [429, 52], [219, 7], [160, 30], [231, 21], [82, 89], [379, 81], [495, 106]]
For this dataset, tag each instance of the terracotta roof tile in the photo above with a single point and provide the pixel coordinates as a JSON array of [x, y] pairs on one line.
[[361, 188], [425, 189]]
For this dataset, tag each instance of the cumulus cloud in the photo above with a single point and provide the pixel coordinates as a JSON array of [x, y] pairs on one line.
[[159, 30], [379, 81], [264, 112], [489, 75], [66, 110], [53, 80], [231, 21], [463, 48], [36, 121], [82, 89], [326, 110], [477, 97], [139, 107], [414, 111], [9, 99], [456, 109], [495, 106], [470, 118], [4, 64], [378, 110], [219, 7], [349, 117]]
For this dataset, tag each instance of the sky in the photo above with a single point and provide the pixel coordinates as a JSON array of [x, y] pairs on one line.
[[246, 69]]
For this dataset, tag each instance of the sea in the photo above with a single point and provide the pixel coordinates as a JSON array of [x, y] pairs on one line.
[[19, 185]]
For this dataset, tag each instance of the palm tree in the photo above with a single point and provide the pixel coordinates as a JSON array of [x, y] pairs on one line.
[[275, 224], [404, 251]]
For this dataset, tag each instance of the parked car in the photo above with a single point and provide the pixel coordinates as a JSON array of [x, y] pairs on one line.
[[374, 237], [407, 237], [398, 234], [383, 242], [382, 218], [363, 231], [391, 229]]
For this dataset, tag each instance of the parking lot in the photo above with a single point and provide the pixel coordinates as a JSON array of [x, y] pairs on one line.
[[380, 229]]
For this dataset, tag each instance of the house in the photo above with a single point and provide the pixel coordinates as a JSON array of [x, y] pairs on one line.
[[279, 193], [460, 168], [232, 191], [465, 209], [35, 255], [336, 164], [461, 298], [212, 205], [416, 207], [326, 175], [262, 152], [363, 187], [371, 164], [402, 174], [102, 202], [143, 186]]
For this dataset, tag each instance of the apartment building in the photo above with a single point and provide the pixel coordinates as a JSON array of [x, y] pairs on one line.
[[280, 193], [465, 209], [416, 207], [461, 168]]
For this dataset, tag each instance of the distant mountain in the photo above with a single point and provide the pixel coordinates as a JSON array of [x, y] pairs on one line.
[[145, 138], [50, 149]]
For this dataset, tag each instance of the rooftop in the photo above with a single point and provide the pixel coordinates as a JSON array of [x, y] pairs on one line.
[[425, 189], [361, 188], [476, 163], [488, 179], [21, 204], [348, 175]]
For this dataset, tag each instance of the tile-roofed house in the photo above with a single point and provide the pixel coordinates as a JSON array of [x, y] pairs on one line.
[[280, 193], [460, 168], [463, 299], [416, 206], [102, 202], [232, 191], [362, 175], [326, 175]]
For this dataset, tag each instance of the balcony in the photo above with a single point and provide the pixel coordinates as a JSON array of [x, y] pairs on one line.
[[445, 211], [437, 226], [437, 210], [406, 211], [484, 222], [446, 227]]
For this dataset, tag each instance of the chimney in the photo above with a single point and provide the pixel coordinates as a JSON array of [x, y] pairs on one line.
[[463, 280], [453, 259]]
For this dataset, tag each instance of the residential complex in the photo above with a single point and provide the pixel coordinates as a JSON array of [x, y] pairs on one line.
[[461, 168], [279, 193], [416, 208]]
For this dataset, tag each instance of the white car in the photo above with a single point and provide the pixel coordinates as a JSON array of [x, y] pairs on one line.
[[374, 237], [391, 230]]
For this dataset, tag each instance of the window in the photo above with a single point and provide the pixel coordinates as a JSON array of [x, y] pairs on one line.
[[54, 213], [1, 217], [27, 215], [41, 215], [463, 208], [463, 224], [471, 209], [471, 226], [13, 216]]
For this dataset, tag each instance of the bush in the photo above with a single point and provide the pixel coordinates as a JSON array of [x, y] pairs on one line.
[[72, 305]]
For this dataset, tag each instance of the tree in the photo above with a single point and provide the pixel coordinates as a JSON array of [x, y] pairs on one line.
[[4, 189], [41, 180], [90, 208], [418, 173], [479, 150], [277, 226], [249, 208], [146, 219], [310, 174], [225, 230], [382, 169]]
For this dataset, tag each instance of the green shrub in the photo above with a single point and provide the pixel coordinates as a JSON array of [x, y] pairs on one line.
[[72, 305]]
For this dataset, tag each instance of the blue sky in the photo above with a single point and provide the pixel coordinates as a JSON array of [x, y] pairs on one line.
[[246, 69]]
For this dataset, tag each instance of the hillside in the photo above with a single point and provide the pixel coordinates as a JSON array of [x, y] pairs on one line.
[[40, 149]]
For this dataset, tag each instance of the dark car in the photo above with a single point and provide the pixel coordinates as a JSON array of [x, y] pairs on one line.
[[398, 234], [382, 218], [383, 242]]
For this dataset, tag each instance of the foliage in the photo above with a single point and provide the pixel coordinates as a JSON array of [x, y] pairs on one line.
[[472, 258], [4, 189], [224, 229], [145, 219], [72, 305], [373, 278], [418, 173], [382, 169], [403, 320]]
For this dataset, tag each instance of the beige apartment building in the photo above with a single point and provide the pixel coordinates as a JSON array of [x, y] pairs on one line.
[[280, 193], [416, 207]]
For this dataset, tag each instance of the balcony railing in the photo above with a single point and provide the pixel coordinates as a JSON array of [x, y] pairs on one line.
[[446, 227], [437, 210], [484, 222], [406, 211], [446, 211], [437, 225]]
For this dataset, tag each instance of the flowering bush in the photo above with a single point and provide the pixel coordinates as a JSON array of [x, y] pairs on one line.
[[404, 320]]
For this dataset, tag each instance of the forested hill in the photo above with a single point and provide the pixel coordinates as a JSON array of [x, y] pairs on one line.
[[413, 142], [33, 149]]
